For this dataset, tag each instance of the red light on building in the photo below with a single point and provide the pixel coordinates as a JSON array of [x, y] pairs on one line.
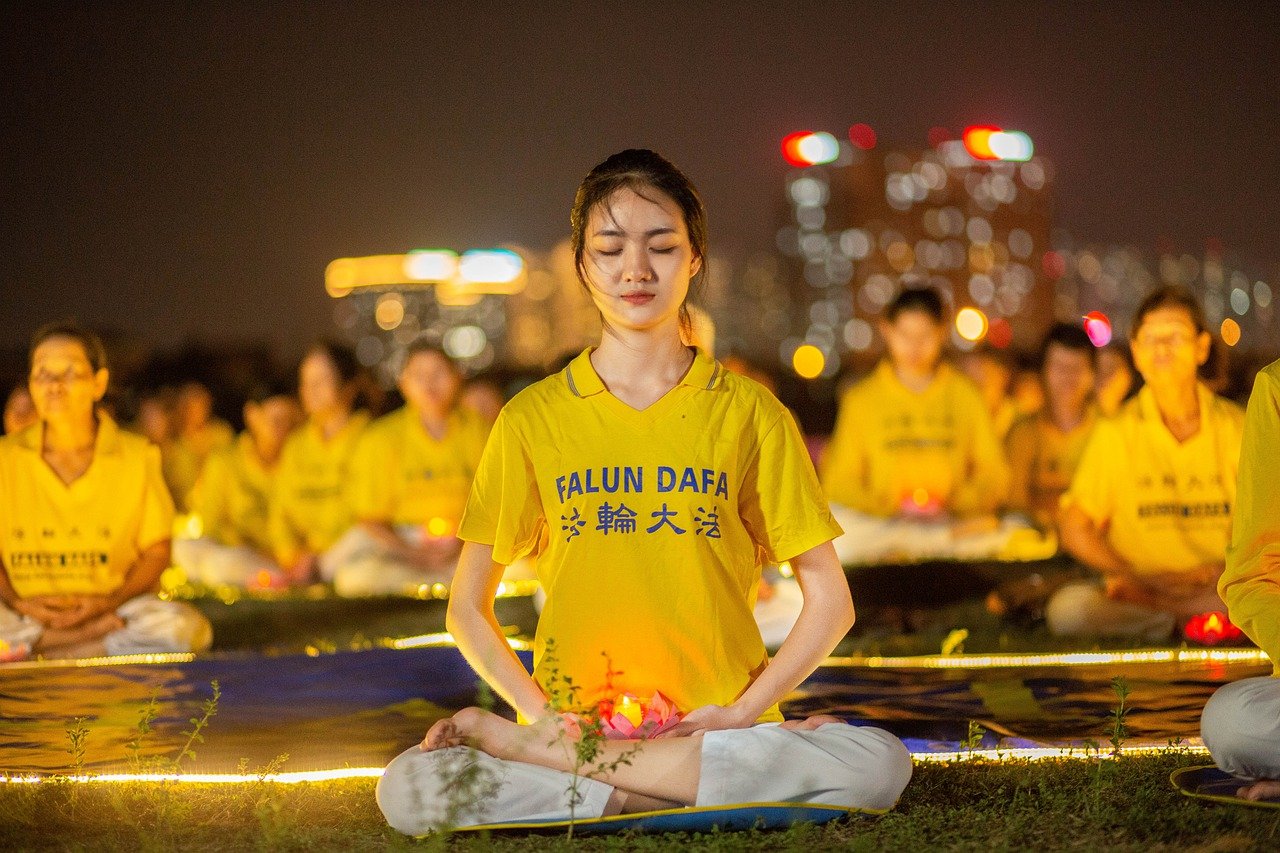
[[977, 141], [1054, 265], [791, 148], [863, 136], [1000, 333], [939, 135]]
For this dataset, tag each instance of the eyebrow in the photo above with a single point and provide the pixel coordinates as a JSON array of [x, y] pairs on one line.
[[614, 232]]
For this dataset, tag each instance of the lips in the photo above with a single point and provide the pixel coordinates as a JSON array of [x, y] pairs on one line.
[[638, 298]]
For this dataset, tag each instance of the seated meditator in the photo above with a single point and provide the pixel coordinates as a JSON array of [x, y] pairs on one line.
[[914, 469], [992, 371], [410, 478], [85, 521], [1149, 507], [1044, 449], [664, 482], [1241, 722], [197, 434], [309, 509], [231, 500]]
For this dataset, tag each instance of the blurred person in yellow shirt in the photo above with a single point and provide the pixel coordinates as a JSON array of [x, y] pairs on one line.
[[85, 521], [992, 370], [409, 482], [1149, 507], [19, 410], [1044, 449], [1241, 722], [310, 509], [914, 469], [230, 503], [197, 433], [1114, 379]]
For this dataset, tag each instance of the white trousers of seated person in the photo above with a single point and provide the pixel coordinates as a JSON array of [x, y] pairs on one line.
[[1241, 727], [211, 563], [874, 539], [855, 767], [359, 565], [1084, 610], [151, 626]]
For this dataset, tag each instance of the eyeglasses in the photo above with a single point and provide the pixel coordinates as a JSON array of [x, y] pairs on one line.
[[66, 377], [1175, 339]]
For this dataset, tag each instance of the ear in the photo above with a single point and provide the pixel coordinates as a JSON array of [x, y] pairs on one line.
[[695, 265], [1204, 344], [100, 381]]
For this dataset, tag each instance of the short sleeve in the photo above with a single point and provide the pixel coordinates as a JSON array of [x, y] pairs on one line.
[[781, 502], [157, 506], [504, 509], [369, 484], [1094, 485]]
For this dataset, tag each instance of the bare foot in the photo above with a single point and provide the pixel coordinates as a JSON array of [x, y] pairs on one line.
[[810, 723], [474, 727], [1266, 789]]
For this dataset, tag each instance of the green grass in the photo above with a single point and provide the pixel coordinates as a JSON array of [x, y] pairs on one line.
[[1120, 804]]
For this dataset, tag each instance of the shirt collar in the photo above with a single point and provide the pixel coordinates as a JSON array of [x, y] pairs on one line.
[[583, 381]]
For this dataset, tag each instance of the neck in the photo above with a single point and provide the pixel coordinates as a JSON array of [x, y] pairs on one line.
[[434, 422], [73, 434], [268, 456], [657, 353], [331, 423], [915, 380], [1066, 415], [1179, 407]]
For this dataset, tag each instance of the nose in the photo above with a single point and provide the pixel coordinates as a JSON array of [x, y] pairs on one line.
[[637, 267]]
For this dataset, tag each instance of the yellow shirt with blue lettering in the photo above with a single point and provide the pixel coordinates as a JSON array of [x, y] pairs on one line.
[[232, 498], [1250, 585], [402, 475], [82, 538], [658, 522], [891, 442], [1165, 505], [309, 506]]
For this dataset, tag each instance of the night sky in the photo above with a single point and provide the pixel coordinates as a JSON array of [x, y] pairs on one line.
[[185, 171]]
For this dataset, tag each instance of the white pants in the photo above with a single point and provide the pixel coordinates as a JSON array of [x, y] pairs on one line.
[[1241, 727], [151, 626], [359, 565], [872, 539], [211, 563], [839, 765], [1084, 610]]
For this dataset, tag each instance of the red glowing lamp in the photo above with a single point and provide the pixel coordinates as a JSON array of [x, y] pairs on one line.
[[863, 136], [1210, 629]]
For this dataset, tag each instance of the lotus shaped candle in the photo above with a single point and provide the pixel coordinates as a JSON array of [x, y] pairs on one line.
[[1210, 628], [629, 718]]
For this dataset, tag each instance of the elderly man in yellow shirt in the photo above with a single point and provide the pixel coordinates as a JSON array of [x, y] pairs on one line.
[[410, 478], [1241, 722], [1149, 508], [85, 521], [231, 500], [914, 469]]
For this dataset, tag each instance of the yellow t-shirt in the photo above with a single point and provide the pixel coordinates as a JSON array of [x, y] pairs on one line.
[[658, 523], [233, 495], [1250, 585], [309, 507], [401, 475], [1165, 506], [1042, 461], [890, 442], [79, 539]]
